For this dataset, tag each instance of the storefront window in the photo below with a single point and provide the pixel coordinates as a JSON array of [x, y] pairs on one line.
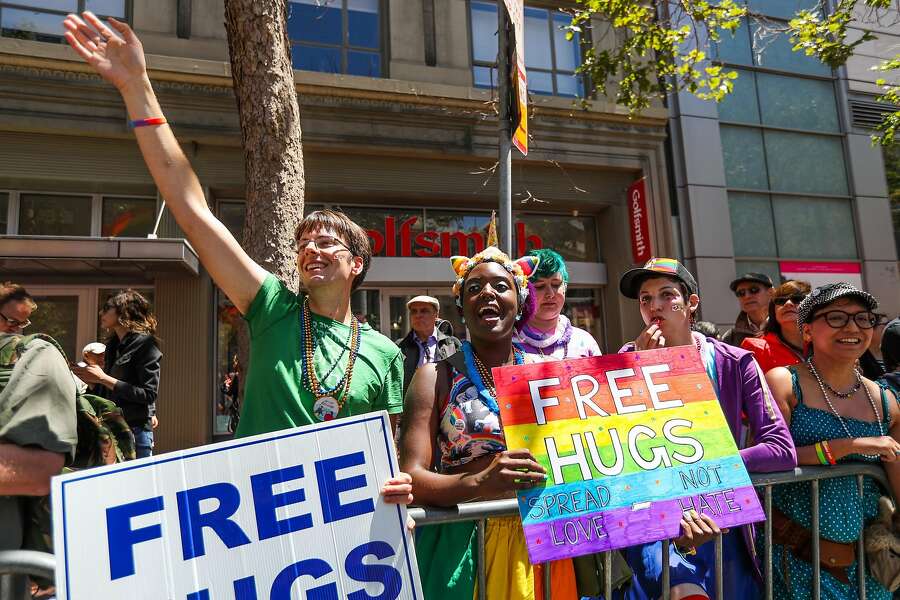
[[393, 232], [41, 20], [128, 217], [54, 215], [459, 233], [575, 238], [583, 309], [4, 211], [366, 307], [229, 371], [57, 316]]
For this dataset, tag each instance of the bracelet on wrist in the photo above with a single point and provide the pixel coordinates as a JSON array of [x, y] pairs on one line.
[[148, 122], [826, 449], [820, 454]]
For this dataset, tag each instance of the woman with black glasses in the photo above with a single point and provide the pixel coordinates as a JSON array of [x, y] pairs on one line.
[[835, 415], [781, 345]]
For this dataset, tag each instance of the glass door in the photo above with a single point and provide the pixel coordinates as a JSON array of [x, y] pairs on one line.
[[67, 314], [395, 318]]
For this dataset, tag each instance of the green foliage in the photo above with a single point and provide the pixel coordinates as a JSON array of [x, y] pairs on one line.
[[654, 47]]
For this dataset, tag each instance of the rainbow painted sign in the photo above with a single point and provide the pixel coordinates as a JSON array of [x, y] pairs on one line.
[[629, 441]]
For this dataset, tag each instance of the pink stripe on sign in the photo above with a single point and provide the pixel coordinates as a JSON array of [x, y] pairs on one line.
[[623, 527], [790, 266]]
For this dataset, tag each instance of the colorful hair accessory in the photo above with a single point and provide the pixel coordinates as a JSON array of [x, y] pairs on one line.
[[149, 121]]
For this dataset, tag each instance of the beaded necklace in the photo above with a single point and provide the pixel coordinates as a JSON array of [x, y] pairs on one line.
[[823, 385], [482, 378], [329, 400]]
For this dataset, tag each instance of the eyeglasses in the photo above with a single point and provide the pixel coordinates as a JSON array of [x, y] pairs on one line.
[[745, 291], [15, 323], [838, 318], [323, 243], [795, 298]]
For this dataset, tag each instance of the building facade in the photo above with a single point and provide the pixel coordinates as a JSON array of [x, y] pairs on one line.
[[787, 161], [399, 131]]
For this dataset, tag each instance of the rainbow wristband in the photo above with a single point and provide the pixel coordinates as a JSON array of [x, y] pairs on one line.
[[148, 122], [821, 454], [828, 455]]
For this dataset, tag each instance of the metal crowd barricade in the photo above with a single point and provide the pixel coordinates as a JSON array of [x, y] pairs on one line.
[[16, 566], [764, 482]]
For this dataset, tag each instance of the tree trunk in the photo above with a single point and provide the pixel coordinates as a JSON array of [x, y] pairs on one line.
[[270, 131], [269, 115]]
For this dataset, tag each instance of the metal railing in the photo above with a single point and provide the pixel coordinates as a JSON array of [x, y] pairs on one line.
[[16, 565], [481, 511]]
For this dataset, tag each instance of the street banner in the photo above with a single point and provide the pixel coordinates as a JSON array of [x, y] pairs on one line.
[[821, 272], [629, 441], [516, 11], [641, 250], [291, 514]]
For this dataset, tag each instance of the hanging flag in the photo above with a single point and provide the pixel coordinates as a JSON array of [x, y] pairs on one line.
[[516, 11]]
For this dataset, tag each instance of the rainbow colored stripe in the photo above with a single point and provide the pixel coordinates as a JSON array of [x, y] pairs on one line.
[[623, 503], [663, 265]]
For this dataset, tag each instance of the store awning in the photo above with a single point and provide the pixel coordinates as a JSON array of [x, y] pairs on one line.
[[26, 255]]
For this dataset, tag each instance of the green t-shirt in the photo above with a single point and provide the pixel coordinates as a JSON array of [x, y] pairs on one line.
[[275, 396]]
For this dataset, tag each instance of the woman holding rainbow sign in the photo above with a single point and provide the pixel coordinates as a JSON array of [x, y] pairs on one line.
[[667, 293]]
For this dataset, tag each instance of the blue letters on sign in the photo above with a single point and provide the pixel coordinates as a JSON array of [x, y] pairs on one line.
[[315, 567], [244, 589], [330, 487], [265, 503], [122, 538], [193, 521], [387, 575]]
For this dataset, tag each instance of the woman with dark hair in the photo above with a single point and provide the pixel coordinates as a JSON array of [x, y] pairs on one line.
[[548, 332], [781, 345], [454, 421], [130, 373], [835, 416], [890, 350]]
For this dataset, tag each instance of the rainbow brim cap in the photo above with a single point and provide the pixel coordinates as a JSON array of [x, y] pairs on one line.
[[630, 284]]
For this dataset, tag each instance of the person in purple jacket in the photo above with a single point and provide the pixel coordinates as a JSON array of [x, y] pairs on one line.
[[667, 293]]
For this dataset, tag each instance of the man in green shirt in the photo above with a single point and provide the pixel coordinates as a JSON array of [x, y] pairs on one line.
[[310, 360]]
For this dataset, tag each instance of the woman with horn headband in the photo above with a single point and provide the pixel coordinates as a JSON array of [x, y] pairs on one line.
[[452, 419]]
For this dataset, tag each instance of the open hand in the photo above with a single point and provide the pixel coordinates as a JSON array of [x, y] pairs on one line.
[[117, 56]]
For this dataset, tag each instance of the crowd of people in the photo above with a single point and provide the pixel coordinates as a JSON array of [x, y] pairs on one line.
[[806, 376]]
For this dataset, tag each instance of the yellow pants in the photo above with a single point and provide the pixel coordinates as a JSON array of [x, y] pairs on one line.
[[509, 574]]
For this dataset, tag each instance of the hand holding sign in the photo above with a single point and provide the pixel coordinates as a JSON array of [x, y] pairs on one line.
[[510, 470]]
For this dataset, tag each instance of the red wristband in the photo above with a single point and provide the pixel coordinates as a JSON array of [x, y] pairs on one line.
[[149, 121]]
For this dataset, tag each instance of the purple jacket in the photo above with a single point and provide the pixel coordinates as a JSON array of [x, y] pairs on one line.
[[743, 390]]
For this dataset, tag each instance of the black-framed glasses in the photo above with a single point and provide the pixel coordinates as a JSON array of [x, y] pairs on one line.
[[795, 298], [750, 290], [323, 243], [15, 322], [838, 318]]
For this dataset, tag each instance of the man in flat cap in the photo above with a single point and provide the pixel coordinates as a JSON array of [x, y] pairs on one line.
[[753, 291], [430, 339]]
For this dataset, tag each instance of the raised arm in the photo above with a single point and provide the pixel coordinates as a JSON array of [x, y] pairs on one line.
[[118, 57]]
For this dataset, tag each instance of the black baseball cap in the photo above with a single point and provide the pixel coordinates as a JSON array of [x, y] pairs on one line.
[[631, 281], [754, 277]]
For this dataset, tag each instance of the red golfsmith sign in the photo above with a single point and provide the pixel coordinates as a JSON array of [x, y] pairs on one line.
[[641, 250], [437, 243]]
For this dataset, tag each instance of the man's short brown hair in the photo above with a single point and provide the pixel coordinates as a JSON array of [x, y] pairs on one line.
[[356, 238], [13, 292]]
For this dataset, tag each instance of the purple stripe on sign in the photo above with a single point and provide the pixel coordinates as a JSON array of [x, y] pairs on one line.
[[623, 527]]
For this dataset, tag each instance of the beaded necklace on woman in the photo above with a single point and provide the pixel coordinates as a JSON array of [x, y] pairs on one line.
[[329, 400], [482, 378], [823, 386]]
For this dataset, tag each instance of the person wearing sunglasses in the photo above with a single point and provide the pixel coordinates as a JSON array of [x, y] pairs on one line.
[[753, 291], [16, 306], [305, 346], [781, 344], [835, 415]]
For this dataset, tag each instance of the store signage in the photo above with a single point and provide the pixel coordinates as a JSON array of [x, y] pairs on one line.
[[397, 238], [630, 442], [641, 251], [291, 514], [821, 272], [516, 11]]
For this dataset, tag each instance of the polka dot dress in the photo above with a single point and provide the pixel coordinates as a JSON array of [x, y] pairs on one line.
[[840, 507]]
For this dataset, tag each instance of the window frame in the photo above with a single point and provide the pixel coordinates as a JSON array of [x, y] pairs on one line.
[[345, 47], [12, 4], [583, 42]]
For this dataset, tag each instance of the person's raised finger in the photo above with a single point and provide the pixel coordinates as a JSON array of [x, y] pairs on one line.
[[84, 38], [124, 30], [99, 25], [78, 47], [523, 475]]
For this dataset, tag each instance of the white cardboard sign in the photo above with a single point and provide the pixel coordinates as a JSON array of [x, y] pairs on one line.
[[279, 516]]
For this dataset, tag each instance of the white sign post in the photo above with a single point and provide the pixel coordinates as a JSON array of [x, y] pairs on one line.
[[280, 516]]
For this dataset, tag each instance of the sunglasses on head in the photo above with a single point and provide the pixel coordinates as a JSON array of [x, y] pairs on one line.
[[794, 298], [754, 289]]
